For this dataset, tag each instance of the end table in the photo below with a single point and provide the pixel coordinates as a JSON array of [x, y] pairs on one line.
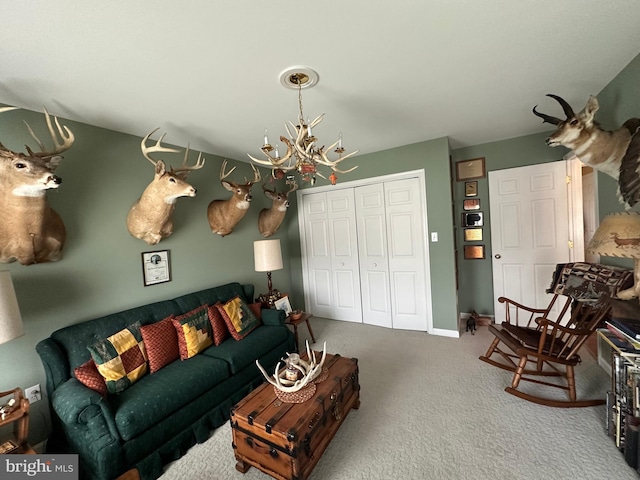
[[19, 417], [304, 318]]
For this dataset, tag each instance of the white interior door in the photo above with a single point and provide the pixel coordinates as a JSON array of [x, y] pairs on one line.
[[406, 236], [332, 255], [372, 251], [530, 231]]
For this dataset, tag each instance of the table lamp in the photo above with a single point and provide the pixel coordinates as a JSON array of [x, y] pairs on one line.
[[10, 319], [267, 257], [619, 236]]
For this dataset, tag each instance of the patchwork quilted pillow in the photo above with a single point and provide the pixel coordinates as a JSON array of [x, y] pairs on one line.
[[239, 318], [161, 343], [88, 375], [194, 331], [121, 358], [220, 330]]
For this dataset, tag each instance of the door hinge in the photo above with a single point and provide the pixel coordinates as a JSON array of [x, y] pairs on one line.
[[568, 179], [570, 242]]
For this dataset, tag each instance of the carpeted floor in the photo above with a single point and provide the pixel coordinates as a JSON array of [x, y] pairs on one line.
[[431, 410]]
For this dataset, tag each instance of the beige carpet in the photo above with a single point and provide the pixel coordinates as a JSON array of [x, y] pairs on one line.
[[431, 410]]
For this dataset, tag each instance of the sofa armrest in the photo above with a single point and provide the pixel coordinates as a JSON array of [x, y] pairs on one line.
[[76, 404], [55, 363], [271, 316]]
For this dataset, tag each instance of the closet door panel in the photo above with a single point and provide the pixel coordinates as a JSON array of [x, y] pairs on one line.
[[372, 245]]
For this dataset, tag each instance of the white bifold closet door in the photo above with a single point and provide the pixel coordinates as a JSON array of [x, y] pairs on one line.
[[365, 254]]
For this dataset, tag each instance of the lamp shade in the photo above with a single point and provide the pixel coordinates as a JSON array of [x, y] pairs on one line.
[[267, 255], [617, 236], [10, 319]]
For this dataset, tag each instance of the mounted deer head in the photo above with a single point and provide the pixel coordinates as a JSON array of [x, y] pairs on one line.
[[150, 217], [30, 230], [224, 215], [270, 219], [605, 151]]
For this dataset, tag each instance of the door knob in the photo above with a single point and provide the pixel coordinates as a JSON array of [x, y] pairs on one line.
[[375, 265], [497, 255]]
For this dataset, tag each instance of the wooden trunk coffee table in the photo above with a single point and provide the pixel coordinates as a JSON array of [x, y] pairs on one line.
[[286, 440]]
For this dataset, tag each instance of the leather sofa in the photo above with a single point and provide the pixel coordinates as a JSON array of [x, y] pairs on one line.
[[156, 419]]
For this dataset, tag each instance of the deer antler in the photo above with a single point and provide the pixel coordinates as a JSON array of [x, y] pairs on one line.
[[65, 134], [225, 175], [147, 151], [256, 175], [184, 169]]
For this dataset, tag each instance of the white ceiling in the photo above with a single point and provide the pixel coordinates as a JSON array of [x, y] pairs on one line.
[[391, 73]]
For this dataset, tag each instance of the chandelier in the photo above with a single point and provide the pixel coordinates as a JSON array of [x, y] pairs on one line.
[[303, 155]]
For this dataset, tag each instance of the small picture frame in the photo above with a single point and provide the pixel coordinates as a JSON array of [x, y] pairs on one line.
[[472, 219], [471, 204], [470, 169], [472, 234], [283, 304], [471, 189], [156, 267], [474, 252]]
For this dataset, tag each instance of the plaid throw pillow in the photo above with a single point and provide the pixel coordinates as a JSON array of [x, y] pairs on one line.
[[194, 331], [239, 318], [121, 358], [161, 343]]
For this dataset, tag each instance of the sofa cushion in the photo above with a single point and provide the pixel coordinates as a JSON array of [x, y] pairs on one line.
[[194, 331], [88, 375], [243, 353], [218, 325], [156, 397], [121, 358], [161, 343], [239, 318]]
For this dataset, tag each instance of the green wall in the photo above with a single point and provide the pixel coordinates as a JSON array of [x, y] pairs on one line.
[[619, 100], [103, 174], [433, 157]]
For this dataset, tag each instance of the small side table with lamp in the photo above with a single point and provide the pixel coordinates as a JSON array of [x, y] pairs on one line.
[[14, 408]]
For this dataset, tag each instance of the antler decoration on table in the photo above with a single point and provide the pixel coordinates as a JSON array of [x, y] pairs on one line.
[[310, 371]]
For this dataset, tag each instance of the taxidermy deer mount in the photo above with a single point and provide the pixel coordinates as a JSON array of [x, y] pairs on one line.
[[149, 218], [224, 215], [30, 230], [271, 218], [615, 153]]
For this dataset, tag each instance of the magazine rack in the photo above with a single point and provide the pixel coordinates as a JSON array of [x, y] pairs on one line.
[[18, 415]]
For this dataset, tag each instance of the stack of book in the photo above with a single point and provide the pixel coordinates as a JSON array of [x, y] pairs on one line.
[[623, 401]]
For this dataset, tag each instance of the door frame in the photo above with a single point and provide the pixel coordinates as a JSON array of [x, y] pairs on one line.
[[420, 175]]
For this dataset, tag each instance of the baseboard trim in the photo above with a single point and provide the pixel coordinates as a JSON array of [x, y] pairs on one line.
[[446, 333]]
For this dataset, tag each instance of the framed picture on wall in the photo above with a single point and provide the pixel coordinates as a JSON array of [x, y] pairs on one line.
[[156, 267], [471, 189], [473, 252], [471, 204], [472, 219], [470, 169], [472, 234]]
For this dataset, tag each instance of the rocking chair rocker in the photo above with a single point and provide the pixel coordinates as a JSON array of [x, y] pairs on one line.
[[548, 347]]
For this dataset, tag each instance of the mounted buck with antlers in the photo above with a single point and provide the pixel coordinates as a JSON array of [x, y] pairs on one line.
[[30, 230], [271, 218], [224, 215], [605, 151], [150, 218]]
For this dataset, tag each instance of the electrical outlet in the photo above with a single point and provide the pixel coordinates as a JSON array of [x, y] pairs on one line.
[[33, 394]]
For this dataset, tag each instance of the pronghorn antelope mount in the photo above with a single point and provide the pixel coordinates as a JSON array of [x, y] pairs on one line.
[[150, 217], [224, 215], [615, 153], [30, 230], [270, 219]]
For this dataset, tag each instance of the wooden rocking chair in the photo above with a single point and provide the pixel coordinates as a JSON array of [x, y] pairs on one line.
[[532, 345]]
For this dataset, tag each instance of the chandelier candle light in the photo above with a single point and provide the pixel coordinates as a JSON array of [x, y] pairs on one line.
[[303, 155]]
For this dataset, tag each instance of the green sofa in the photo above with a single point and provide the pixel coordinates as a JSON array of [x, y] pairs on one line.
[[155, 420]]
